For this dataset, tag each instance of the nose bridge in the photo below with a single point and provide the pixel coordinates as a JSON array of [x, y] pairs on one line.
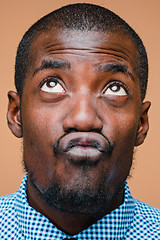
[[83, 105], [82, 114]]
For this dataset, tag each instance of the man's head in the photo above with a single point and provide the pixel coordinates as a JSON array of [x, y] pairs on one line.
[[81, 75], [83, 17]]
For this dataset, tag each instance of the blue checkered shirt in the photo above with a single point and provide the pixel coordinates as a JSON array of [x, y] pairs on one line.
[[132, 220]]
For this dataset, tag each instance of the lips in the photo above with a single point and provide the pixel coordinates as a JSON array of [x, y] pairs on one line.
[[83, 145]]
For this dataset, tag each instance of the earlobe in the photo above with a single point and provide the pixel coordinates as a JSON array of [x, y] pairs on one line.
[[13, 114], [143, 124]]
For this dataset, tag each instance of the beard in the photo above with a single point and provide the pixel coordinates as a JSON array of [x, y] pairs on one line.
[[81, 197], [87, 201]]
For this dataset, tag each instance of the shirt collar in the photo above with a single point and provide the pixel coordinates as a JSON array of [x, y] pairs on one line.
[[113, 226]]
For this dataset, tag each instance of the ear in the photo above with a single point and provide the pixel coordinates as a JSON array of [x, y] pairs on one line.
[[13, 114], [143, 124]]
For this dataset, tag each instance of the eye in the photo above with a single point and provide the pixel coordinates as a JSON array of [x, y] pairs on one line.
[[52, 86], [115, 89]]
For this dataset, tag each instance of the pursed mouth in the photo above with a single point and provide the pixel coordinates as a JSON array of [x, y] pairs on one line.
[[83, 145]]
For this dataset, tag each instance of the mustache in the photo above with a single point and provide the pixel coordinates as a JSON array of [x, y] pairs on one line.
[[75, 142]]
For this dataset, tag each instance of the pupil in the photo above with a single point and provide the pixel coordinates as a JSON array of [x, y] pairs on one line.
[[51, 84], [115, 88]]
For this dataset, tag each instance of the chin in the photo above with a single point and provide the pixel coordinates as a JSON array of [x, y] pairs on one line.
[[86, 201]]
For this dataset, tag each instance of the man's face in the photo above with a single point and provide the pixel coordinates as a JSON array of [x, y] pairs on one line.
[[81, 110]]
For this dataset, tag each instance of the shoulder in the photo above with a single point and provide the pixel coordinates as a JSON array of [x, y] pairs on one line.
[[147, 212], [146, 222], [9, 227], [7, 202], [7, 207]]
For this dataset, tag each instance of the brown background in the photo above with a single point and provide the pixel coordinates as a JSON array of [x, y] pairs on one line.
[[15, 18]]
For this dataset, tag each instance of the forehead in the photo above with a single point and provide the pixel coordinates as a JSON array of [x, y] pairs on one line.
[[86, 46]]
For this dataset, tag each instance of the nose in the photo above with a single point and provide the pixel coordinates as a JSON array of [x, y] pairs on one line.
[[82, 114]]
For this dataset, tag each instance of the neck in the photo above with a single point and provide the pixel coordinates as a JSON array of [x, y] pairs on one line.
[[69, 223]]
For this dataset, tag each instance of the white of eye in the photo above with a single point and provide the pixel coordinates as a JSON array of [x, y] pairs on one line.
[[115, 90], [52, 87]]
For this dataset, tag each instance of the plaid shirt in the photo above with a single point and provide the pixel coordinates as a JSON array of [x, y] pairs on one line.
[[132, 220]]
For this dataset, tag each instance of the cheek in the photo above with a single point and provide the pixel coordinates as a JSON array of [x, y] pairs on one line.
[[125, 134], [37, 155], [122, 131], [121, 124], [39, 135], [41, 123]]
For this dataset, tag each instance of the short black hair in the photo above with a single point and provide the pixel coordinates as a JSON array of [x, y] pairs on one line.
[[84, 17]]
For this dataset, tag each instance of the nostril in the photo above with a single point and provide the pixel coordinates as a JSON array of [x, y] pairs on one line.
[[72, 130]]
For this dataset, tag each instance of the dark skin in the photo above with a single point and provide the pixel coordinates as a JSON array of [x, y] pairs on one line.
[[97, 92]]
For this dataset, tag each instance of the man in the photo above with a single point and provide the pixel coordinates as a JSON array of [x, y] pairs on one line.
[[81, 75]]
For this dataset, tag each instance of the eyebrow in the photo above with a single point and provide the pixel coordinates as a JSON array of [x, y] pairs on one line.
[[106, 67], [115, 67], [52, 64]]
